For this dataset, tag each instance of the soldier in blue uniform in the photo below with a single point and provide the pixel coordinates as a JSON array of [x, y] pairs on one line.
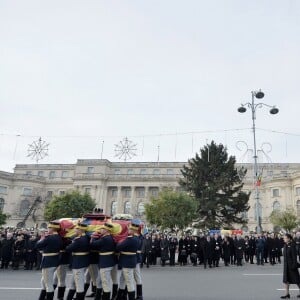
[[128, 260], [61, 271], [107, 259], [79, 248], [139, 258], [50, 245]]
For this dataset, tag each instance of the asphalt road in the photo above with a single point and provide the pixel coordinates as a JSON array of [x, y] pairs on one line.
[[176, 283]]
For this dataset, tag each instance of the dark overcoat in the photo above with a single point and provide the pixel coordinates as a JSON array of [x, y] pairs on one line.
[[290, 270]]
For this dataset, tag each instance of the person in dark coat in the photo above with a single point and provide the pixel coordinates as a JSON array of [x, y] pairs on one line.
[[18, 251], [146, 251], [164, 246], [252, 248], [7, 250], [290, 266], [239, 245], [30, 252], [172, 247], [226, 250]]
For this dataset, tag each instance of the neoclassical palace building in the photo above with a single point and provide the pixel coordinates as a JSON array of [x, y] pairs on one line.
[[124, 187]]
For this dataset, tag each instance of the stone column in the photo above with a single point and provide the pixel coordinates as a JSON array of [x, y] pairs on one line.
[[120, 208], [133, 201]]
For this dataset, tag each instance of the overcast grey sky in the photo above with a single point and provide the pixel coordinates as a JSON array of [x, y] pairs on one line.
[[163, 73]]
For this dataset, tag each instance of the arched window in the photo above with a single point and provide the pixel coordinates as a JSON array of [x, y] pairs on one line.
[[276, 205], [24, 207], [260, 211], [113, 208], [1, 204], [298, 208], [141, 209], [127, 207]]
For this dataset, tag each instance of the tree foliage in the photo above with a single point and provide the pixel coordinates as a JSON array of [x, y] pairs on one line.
[[3, 218], [70, 205], [216, 184], [173, 210], [284, 219]]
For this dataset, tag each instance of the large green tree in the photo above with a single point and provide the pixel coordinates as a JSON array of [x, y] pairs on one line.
[[70, 205], [215, 182], [173, 210], [285, 219]]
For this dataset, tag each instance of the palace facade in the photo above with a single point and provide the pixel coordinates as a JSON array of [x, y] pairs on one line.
[[125, 187]]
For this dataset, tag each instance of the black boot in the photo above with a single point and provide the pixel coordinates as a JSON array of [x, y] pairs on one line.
[[106, 296], [139, 292], [70, 295], [61, 292], [114, 292], [54, 286], [98, 294], [131, 295], [86, 287], [49, 296], [42, 295], [93, 293], [80, 296], [120, 295]]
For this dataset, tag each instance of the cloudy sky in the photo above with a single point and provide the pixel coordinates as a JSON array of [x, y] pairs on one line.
[[167, 74]]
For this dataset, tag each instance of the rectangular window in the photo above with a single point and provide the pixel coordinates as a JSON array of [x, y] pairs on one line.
[[275, 192], [127, 193], [117, 172], [28, 173], [170, 172], [27, 191], [156, 172], [298, 191], [140, 192], [40, 173], [61, 193], [143, 172], [114, 193], [64, 174], [52, 174], [154, 192], [130, 172], [3, 190], [87, 190], [49, 194], [90, 170]]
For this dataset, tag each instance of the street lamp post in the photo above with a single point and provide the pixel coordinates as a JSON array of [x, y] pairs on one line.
[[253, 106]]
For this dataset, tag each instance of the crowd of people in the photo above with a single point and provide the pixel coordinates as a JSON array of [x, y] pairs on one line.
[[209, 250], [18, 249], [113, 269]]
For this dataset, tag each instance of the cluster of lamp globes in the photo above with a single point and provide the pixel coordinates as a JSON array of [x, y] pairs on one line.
[[259, 95]]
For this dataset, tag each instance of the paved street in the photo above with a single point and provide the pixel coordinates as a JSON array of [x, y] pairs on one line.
[[176, 283]]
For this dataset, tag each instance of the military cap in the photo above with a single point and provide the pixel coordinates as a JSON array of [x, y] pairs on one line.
[[54, 225], [108, 226], [135, 227], [82, 226]]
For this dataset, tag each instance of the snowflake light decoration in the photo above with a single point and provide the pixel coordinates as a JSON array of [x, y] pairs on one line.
[[125, 149], [38, 150]]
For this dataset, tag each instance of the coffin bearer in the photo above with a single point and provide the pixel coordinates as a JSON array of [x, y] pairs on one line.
[[50, 245], [79, 248], [137, 269], [107, 259], [128, 260]]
